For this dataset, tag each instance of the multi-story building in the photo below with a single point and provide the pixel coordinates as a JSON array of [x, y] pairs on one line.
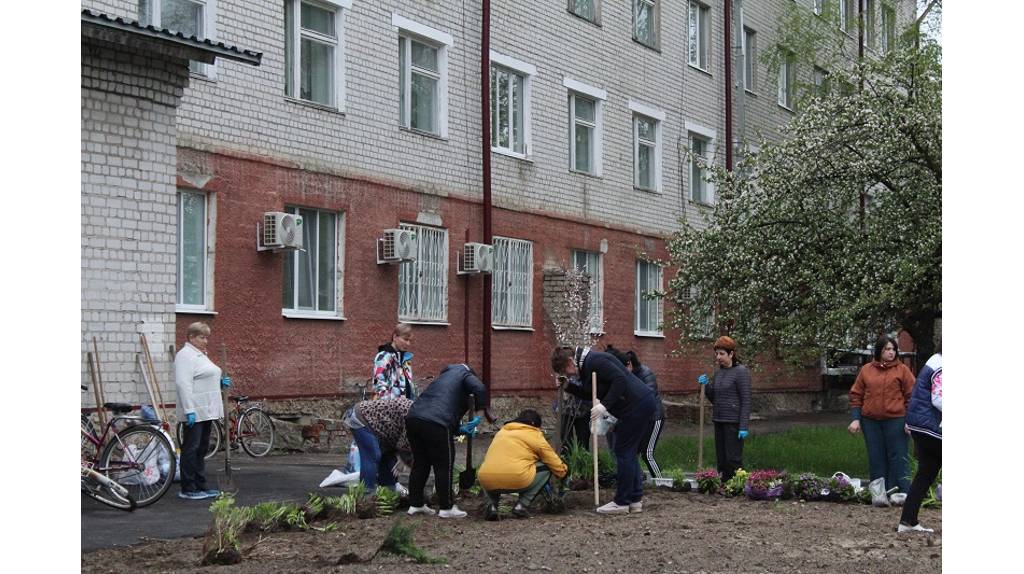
[[364, 117]]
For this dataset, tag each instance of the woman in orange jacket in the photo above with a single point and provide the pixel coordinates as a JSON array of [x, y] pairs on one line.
[[518, 460], [878, 402]]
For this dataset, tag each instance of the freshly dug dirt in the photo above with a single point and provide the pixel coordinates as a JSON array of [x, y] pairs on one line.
[[676, 533]]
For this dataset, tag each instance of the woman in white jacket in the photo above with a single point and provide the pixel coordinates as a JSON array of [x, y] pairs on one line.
[[198, 382]]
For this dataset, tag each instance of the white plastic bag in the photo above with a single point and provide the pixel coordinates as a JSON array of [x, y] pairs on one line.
[[339, 478], [603, 424], [151, 469], [879, 497]]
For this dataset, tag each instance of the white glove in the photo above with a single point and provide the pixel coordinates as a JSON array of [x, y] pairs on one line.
[[597, 411]]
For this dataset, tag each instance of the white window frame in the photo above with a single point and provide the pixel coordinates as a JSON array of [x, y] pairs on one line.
[[208, 71], [599, 96], [703, 33], [571, 7], [339, 270], [505, 285], [888, 21], [822, 83], [787, 80], [431, 259], [656, 115], [655, 7], [644, 304], [295, 35], [209, 233], [526, 72], [749, 58], [818, 7], [847, 16], [596, 311], [870, 28], [409, 31], [709, 136]]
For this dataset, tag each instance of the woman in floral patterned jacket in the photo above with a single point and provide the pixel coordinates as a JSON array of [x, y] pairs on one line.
[[379, 431], [392, 367]]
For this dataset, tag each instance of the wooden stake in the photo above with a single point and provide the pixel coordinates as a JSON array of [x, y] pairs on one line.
[[561, 417], [700, 432], [593, 441], [228, 483], [99, 384], [100, 415], [152, 377], [149, 389]]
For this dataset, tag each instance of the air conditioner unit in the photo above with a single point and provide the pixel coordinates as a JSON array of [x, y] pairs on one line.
[[282, 230], [477, 258], [396, 246]]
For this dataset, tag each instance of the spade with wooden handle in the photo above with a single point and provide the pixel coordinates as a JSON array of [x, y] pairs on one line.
[[227, 482], [593, 441], [700, 431], [468, 476]]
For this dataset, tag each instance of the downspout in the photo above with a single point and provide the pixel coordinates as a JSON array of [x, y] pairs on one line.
[[728, 85], [860, 75], [485, 149]]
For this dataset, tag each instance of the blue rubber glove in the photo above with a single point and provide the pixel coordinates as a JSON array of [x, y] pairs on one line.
[[190, 419], [703, 380], [743, 434], [470, 427], [225, 381]]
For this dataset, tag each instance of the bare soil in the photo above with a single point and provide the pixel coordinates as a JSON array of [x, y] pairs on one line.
[[676, 533]]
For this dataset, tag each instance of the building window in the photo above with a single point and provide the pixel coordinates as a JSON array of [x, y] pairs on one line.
[[512, 292], [190, 17], [749, 58], [583, 116], [822, 84], [787, 79], [586, 9], [819, 7], [888, 28], [646, 22], [314, 60], [507, 110], [646, 153], [699, 35], [869, 23], [700, 188], [422, 76], [193, 242], [590, 263], [310, 284], [648, 310], [423, 283], [848, 15]]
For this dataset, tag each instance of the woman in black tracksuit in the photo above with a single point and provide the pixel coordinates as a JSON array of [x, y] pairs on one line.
[[431, 426], [645, 374]]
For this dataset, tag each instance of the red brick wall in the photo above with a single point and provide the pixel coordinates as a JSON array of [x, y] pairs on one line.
[[269, 355]]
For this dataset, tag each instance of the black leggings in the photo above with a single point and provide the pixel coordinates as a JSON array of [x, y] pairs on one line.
[[433, 446], [928, 451]]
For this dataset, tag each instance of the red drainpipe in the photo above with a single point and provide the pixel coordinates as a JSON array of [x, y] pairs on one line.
[[728, 85], [485, 149]]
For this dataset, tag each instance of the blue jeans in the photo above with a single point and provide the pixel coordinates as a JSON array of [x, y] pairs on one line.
[[887, 451], [374, 466]]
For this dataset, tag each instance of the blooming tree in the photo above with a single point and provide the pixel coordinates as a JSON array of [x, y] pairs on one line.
[[832, 235]]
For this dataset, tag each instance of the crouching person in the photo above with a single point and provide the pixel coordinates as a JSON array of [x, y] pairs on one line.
[[519, 460]]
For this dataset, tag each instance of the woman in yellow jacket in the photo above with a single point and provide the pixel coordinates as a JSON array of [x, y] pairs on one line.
[[518, 460]]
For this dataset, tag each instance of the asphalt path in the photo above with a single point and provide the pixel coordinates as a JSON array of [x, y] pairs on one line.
[[286, 478]]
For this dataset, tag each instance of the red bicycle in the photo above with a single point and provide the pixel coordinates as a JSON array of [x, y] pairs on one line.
[[250, 425]]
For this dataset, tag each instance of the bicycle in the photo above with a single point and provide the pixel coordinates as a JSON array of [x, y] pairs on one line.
[[126, 468], [251, 428]]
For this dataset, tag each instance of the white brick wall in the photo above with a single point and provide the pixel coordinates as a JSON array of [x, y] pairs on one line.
[[129, 219]]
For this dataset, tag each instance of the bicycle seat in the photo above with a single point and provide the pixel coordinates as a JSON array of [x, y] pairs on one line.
[[240, 398], [118, 408]]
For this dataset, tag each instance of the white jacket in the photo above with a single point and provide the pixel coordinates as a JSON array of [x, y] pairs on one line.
[[198, 382]]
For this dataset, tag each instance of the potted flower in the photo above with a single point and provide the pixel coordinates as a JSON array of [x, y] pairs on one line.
[[764, 485], [708, 481], [734, 486], [808, 486]]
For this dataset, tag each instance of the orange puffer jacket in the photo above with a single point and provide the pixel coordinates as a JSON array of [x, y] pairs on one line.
[[882, 390]]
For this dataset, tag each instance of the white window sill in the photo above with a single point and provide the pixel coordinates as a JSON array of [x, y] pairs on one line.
[[650, 334], [516, 155], [699, 69], [301, 315], [423, 133], [700, 203], [511, 328], [750, 92], [595, 22], [647, 190], [787, 108], [577, 172], [193, 311], [426, 323], [314, 105]]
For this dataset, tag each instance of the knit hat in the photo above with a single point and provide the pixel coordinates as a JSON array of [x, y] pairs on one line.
[[725, 342]]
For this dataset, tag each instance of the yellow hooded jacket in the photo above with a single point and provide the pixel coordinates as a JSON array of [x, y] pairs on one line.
[[510, 461]]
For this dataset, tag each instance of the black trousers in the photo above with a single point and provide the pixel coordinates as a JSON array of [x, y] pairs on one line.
[[433, 447], [928, 451], [194, 445], [728, 449]]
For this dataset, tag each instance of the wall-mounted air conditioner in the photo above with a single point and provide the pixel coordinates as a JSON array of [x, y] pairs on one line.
[[396, 246], [279, 231], [476, 258]]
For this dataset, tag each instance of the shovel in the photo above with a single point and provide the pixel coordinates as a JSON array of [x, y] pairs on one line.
[[468, 477], [227, 483]]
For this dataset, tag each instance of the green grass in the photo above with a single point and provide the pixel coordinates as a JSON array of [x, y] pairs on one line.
[[822, 450]]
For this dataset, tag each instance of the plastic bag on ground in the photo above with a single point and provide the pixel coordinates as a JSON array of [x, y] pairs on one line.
[[878, 495], [339, 478]]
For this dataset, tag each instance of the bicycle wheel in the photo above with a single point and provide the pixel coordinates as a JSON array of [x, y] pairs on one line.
[[93, 487], [141, 459], [214, 445], [256, 432]]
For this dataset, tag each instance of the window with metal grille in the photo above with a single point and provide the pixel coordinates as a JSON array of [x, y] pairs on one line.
[[423, 283], [648, 310], [590, 263], [512, 288]]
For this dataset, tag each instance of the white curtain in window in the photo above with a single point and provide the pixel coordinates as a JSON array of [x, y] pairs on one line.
[[192, 248]]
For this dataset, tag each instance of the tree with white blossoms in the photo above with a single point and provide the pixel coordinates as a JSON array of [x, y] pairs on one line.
[[570, 311], [831, 236]]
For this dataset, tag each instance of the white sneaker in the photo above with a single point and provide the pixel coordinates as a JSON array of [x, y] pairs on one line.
[[636, 507], [452, 512], [612, 508], [413, 510], [915, 528]]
